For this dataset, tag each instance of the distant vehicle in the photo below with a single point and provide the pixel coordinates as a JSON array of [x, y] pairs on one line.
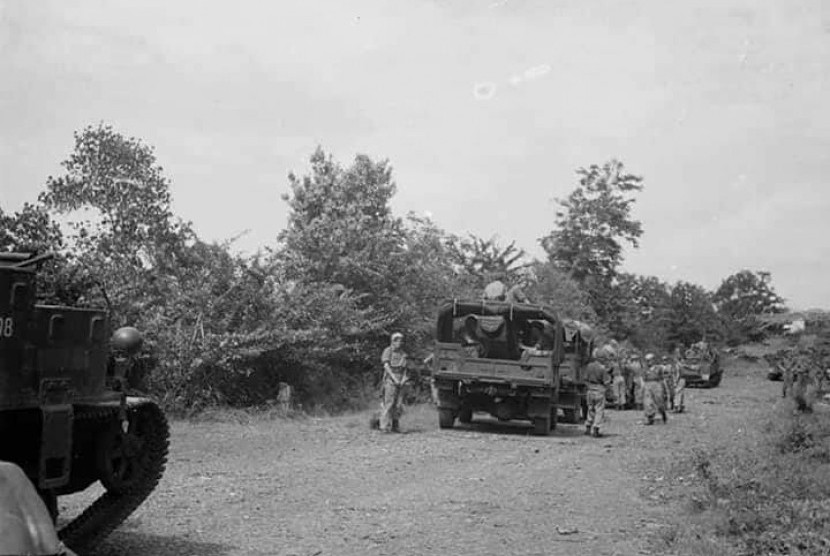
[[700, 366], [500, 358], [66, 416]]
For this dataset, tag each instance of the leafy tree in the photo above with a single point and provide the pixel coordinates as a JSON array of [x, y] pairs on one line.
[[746, 293], [485, 259], [644, 317], [741, 298], [118, 203], [692, 315], [340, 226], [593, 222], [29, 230], [555, 288]]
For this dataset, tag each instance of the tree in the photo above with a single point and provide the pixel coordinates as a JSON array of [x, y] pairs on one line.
[[741, 298], [644, 317], [118, 201], [340, 226], [555, 288], [593, 222], [692, 315], [29, 230], [485, 259]]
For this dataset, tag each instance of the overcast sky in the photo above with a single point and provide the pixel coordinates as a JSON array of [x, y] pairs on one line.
[[484, 108]]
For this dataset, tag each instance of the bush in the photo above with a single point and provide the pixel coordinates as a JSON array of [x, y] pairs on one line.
[[775, 497]]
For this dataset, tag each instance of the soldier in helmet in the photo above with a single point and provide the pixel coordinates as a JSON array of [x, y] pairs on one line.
[[393, 359], [654, 390], [597, 379]]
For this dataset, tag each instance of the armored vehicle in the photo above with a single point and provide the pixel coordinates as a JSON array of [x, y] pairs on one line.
[[700, 366], [500, 358], [66, 416]]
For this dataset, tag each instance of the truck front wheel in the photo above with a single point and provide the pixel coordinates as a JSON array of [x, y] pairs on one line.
[[446, 418]]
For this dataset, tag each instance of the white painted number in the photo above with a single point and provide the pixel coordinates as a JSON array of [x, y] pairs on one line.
[[6, 327]]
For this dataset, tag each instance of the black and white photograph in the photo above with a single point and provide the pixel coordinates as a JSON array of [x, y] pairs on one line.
[[423, 277]]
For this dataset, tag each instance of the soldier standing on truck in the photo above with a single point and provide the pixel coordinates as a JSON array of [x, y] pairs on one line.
[[597, 379], [393, 359], [654, 390]]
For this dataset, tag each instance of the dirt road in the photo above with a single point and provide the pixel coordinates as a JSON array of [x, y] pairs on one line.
[[332, 487]]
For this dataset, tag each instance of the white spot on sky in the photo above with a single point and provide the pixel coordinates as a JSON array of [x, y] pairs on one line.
[[536, 71], [484, 91]]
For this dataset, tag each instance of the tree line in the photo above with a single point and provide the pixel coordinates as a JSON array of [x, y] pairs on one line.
[[315, 308]]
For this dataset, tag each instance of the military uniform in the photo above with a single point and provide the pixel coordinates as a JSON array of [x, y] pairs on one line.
[[803, 383], [679, 389], [654, 392], [596, 376], [634, 382], [394, 379]]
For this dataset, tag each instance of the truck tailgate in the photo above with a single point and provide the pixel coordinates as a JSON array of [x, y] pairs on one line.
[[452, 363]]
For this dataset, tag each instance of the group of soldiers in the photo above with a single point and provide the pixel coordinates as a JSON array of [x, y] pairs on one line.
[[631, 379], [804, 371]]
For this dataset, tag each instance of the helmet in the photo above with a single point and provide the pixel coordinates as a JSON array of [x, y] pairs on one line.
[[649, 357], [127, 339]]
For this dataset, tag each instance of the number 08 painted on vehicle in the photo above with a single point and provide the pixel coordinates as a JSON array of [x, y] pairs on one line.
[[6, 327]]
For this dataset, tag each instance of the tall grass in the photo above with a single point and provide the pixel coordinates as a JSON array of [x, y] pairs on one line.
[[772, 497]]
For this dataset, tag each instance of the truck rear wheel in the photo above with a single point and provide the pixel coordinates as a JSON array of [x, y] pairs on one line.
[[541, 426], [465, 416], [446, 418]]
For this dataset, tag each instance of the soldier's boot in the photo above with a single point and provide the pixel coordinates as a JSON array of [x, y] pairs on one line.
[[396, 426], [587, 430], [663, 415], [596, 433], [650, 420]]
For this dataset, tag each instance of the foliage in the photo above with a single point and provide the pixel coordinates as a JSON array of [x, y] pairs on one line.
[[30, 230], [645, 311], [773, 497], [555, 288], [692, 315], [593, 221], [485, 259], [743, 296], [340, 226]]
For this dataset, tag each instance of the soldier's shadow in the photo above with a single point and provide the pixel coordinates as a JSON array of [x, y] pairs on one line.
[[121, 543]]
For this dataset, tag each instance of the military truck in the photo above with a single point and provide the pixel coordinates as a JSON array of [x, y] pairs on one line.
[[700, 366], [500, 358], [67, 418]]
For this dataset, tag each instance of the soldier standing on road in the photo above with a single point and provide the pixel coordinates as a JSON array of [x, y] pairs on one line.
[[668, 379], [803, 384], [618, 386], [596, 376], [679, 385], [654, 390], [634, 369], [393, 359]]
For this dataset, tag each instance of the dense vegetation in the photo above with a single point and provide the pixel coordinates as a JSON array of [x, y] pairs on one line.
[[315, 308]]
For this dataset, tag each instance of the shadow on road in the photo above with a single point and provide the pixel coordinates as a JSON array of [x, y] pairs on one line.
[[138, 544], [518, 428]]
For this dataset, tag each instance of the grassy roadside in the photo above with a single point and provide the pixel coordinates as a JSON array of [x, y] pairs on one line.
[[767, 495]]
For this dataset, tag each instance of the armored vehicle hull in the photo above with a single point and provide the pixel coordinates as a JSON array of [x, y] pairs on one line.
[[66, 418]]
